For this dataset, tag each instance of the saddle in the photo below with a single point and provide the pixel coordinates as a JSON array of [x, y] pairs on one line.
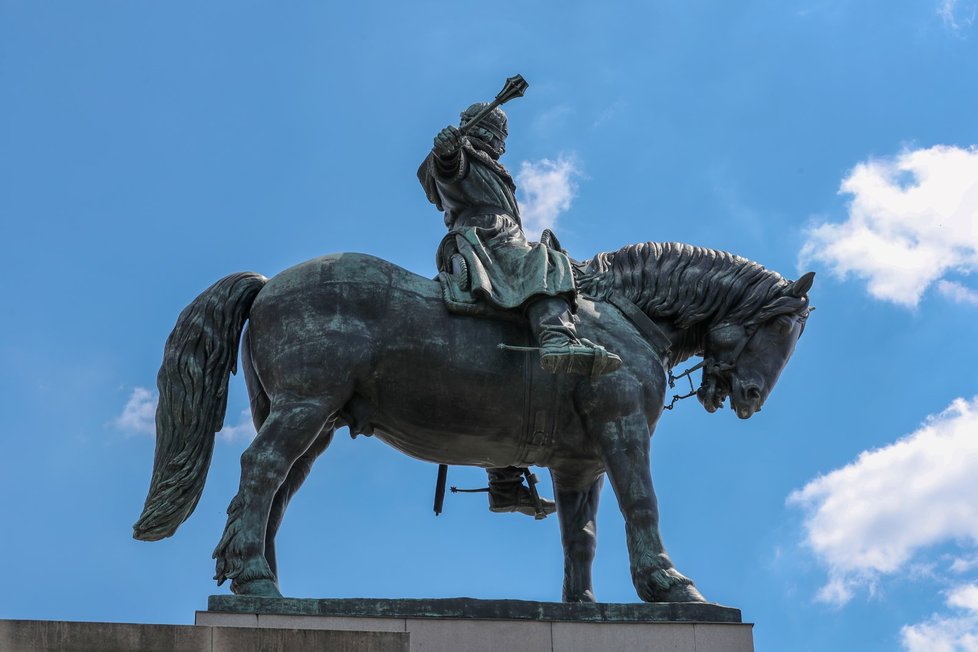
[[456, 284], [459, 299]]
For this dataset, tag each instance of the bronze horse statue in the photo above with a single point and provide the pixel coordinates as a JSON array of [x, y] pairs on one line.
[[352, 340]]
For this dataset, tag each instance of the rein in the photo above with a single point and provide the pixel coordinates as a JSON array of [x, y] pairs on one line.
[[686, 374], [712, 367]]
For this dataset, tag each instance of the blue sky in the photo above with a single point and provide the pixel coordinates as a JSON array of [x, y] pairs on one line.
[[149, 149]]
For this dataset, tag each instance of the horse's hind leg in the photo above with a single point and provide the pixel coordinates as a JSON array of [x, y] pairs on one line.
[[288, 432], [297, 475], [577, 511]]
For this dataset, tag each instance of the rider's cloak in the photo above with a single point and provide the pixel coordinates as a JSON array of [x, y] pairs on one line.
[[478, 197]]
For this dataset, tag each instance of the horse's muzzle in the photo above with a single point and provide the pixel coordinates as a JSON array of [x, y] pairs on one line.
[[746, 399]]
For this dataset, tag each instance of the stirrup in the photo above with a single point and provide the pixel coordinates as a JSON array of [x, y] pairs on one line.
[[511, 495], [522, 503], [586, 358]]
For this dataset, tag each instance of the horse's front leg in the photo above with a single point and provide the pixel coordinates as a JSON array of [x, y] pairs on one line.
[[624, 445], [577, 511], [285, 435]]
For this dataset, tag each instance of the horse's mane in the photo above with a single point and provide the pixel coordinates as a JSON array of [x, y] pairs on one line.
[[690, 285]]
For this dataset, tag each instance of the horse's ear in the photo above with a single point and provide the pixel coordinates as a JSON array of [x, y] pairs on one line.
[[801, 287]]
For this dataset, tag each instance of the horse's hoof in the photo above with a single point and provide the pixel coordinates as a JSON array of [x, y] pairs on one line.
[[261, 588], [586, 597], [681, 593], [666, 585]]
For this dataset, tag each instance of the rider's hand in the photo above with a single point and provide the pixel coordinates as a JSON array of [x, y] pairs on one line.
[[448, 141]]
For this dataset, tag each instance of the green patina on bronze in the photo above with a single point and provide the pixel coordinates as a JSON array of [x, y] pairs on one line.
[[352, 340]]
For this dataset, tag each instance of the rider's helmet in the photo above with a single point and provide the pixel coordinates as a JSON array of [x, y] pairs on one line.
[[492, 129]]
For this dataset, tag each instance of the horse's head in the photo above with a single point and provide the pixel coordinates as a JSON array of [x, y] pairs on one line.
[[744, 361]]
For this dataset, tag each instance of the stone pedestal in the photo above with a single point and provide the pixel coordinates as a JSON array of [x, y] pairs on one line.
[[67, 636], [436, 625]]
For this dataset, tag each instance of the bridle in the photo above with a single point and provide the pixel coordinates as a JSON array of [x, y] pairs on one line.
[[712, 368]]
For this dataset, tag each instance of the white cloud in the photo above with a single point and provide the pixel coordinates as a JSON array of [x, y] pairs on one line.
[[139, 417], [912, 220], [836, 591], [957, 14], [957, 292], [958, 633], [547, 188], [965, 597], [139, 414], [243, 430], [963, 564], [870, 518]]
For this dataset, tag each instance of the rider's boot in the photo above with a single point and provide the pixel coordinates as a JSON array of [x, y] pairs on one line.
[[561, 350], [507, 493]]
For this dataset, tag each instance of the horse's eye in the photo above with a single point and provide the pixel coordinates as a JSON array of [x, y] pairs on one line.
[[783, 324]]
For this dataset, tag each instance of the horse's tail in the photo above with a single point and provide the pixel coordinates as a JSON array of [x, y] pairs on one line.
[[199, 356]]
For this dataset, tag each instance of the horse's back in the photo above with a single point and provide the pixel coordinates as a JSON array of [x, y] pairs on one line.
[[346, 269], [341, 302], [318, 295]]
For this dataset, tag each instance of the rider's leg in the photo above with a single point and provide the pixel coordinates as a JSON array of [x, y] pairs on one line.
[[577, 511], [562, 351], [507, 493]]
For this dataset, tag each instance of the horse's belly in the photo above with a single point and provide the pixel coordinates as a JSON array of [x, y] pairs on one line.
[[452, 411], [447, 448]]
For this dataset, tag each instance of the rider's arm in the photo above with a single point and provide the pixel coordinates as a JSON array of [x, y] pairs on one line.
[[448, 158]]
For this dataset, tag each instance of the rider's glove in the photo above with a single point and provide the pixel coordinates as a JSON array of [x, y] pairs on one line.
[[448, 141]]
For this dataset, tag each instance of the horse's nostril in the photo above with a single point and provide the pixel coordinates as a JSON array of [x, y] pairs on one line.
[[753, 393]]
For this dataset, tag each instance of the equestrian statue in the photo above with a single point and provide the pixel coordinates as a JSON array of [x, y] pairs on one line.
[[514, 356]]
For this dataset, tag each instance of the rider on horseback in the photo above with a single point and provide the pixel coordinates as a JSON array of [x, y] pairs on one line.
[[463, 177]]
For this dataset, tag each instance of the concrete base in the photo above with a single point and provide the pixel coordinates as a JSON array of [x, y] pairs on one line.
[[476, 625], [62, 636]]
